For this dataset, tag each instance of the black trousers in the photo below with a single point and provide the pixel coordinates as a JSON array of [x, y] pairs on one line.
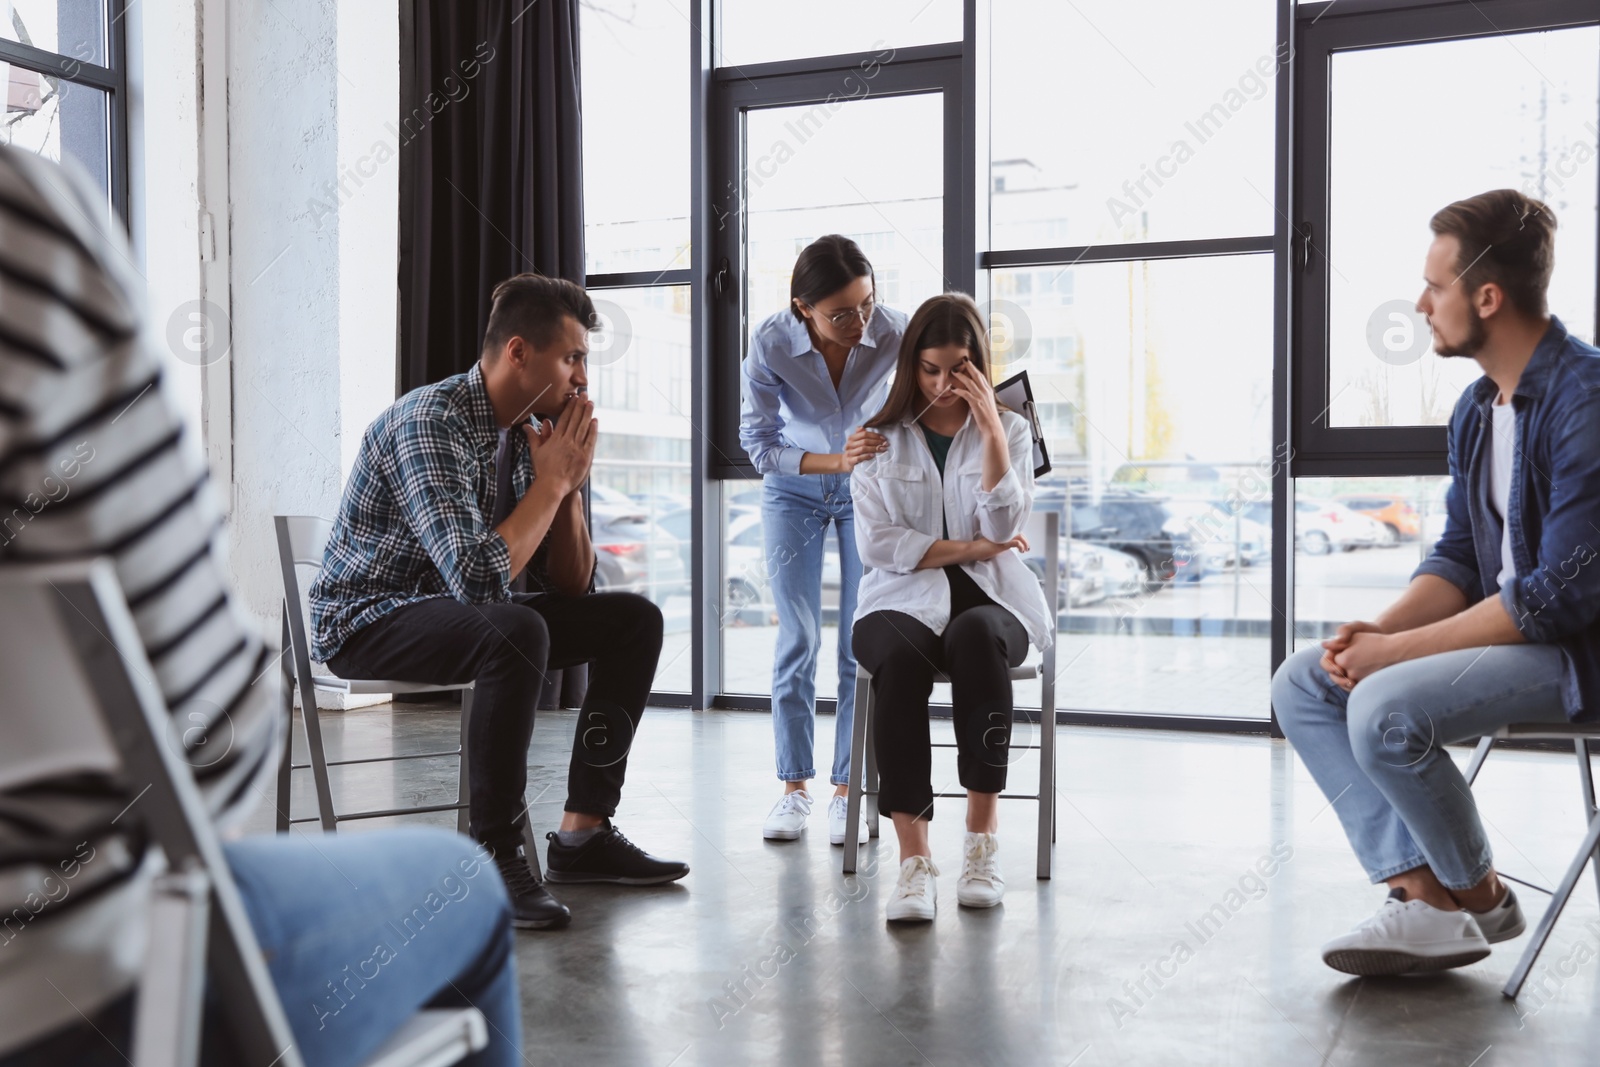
[[505, 649], [982, 642]]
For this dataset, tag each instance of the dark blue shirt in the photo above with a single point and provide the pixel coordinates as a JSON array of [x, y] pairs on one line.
[[1554, 511]]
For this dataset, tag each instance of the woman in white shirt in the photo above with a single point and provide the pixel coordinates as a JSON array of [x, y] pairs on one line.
[[939, 517]]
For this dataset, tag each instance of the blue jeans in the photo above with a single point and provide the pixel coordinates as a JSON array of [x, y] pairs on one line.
[[359, 931], [362, 930], [796, 513], [1378, 754]]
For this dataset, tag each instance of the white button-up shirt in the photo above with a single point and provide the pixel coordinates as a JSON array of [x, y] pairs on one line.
[[901, 509]]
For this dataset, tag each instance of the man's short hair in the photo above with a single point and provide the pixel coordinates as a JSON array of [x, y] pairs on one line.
[[1506, 238], [532, 306]]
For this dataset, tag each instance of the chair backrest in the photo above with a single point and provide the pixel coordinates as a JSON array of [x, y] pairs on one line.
[[1043, 532], [51, 729], [302, 539], [83, 630]]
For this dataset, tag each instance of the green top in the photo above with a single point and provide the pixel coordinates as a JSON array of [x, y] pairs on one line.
[[939, 445]]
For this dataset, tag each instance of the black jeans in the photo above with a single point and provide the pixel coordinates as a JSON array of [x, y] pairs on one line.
[[505, 649], [982, 642]]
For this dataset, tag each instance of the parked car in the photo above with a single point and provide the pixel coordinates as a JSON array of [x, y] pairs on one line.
[[1324, 526], [1134, 523], [635, 555], [659, 503], [748, 575], [1253, 538], [1120, 573], [1081, 567], [1393, 510], [1212, 531]]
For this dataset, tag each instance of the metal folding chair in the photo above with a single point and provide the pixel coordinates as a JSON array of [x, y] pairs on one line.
[[302, 539], [93, 647], [1579, 734], [863, 756]]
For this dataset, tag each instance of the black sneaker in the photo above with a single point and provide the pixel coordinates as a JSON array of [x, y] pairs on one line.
[[609, 857], [532, 906]]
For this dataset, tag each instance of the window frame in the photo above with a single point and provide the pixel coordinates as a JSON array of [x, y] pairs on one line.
[[1323, 30], [111, 79]]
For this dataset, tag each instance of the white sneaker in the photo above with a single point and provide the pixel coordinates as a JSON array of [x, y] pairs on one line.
[[1407, 937], [981, 884], [1501, 922], [838, 811], [915, 895], [787, 817]]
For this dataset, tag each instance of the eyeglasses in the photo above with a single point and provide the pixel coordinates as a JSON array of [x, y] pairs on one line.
[[847, 318]]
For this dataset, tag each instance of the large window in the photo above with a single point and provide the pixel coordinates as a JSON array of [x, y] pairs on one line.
[[62, 74], [635, 144], [1107, 126], [1156, 402], [1210, 291], [759, 31], [1524, 120], [636, 233], [1377, 152]]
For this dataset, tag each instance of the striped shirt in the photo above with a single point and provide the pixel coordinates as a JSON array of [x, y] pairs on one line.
[[414, 523], [93, 462]]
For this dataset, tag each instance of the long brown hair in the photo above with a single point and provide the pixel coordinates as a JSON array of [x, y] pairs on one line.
[[946, 319]]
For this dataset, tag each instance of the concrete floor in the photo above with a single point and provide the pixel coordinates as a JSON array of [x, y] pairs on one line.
[[766, 953]]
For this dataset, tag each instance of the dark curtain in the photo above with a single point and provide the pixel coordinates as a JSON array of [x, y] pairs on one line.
[[491, 180]]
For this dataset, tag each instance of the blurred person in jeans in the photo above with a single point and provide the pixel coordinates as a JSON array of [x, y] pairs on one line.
[[85, 419]]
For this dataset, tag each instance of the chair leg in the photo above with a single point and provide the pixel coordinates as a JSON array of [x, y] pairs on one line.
[[858, 756], [869, 776], [463, 787], [1479, 754], [286, 711], [530, 845], [1586, 781], [1047, 764], [1546, 923], [1047, 789], [313, 728]]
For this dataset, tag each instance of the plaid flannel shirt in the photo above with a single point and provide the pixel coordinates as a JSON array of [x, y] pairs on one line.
[[414, 524]]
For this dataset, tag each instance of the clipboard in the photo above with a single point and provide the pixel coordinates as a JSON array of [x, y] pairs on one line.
[[1016, 394]]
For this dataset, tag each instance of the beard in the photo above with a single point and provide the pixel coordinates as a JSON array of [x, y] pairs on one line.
[[1471, 345]]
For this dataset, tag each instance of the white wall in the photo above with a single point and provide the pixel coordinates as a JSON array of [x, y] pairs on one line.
[[163, 186], [308, 229]]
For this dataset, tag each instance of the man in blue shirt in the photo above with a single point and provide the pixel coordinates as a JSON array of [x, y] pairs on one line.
[[454, 493], [1499, 624]]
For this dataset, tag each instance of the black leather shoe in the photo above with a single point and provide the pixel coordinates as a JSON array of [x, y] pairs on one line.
[[609, 857], [532, 906]]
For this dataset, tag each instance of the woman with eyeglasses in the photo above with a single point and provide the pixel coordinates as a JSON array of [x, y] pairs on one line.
[[815, 372]]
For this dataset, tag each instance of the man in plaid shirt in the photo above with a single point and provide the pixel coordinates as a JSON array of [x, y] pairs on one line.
[[455, 492]]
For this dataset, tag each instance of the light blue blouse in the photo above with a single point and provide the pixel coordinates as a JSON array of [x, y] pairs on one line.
[[790, 406]]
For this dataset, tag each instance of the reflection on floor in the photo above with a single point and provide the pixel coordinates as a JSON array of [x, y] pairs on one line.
[[766, 953]]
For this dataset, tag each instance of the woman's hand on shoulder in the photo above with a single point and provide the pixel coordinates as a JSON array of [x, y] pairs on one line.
[[862, 446]]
